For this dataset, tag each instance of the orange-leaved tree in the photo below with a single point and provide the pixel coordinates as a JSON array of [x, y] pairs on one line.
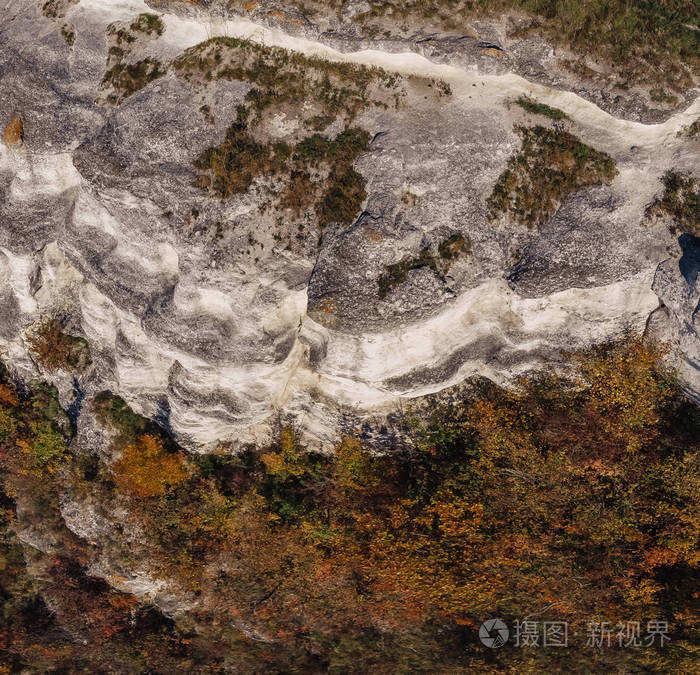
[[147, 469]]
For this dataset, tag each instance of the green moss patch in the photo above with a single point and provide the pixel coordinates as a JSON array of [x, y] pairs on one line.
[[536, 108]]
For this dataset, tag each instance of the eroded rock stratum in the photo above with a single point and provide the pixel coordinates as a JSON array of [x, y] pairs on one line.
[[251, 218]]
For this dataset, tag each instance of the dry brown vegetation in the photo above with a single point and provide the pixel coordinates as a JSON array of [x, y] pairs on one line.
[[54, 349], [231, 167], [569, 496]]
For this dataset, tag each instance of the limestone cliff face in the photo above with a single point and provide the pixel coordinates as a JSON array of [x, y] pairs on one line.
[[222, 317]]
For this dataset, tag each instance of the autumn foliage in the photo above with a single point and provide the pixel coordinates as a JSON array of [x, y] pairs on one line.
[[145, 469], [569, 497]]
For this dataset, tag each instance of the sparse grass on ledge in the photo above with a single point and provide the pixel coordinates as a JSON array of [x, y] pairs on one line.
[[549, 166], [282, 76], [681, 201]]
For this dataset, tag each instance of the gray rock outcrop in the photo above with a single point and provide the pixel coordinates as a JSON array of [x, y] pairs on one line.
[[197, 306]]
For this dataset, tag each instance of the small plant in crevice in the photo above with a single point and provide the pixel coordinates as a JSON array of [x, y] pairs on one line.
[[68, 34], [692, 130], [448, 251], [113, 412], [56, 9]]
